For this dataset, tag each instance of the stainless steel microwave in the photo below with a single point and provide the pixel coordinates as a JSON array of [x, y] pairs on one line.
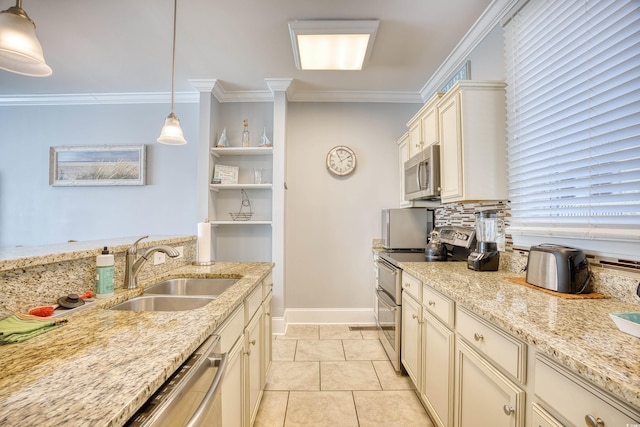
[[422, 175]]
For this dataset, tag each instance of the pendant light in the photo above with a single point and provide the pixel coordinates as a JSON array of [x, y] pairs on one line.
[[171, 133], [20, 50]]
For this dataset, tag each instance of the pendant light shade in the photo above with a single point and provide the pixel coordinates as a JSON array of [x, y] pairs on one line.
[[171, 132], [20, 50]]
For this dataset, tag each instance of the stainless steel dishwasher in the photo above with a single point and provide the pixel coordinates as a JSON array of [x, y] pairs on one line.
[[191, 395]]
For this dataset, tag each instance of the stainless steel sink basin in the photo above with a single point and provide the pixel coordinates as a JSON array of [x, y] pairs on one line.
[[163, 303], [191, 286]]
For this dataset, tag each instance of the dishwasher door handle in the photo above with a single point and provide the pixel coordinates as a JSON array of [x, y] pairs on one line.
[[213, 389]]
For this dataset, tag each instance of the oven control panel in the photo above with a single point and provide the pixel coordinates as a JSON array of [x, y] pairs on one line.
[[457, 236]]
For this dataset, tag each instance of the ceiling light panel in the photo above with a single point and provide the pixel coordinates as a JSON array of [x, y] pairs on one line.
[[332, 45]]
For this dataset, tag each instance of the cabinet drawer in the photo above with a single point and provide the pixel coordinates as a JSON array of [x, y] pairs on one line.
[[231, 329], [267, 286], [506, 351], [412, 286], [542, 418], [439, 305], [575, 400], [252, 303]]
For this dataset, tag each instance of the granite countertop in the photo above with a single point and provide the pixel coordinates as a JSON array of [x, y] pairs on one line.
[[102, 365], [577, 333], [31, 256]]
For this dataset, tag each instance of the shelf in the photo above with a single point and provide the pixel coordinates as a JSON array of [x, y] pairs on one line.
[[241, 151], [230, 222], [216, 187]]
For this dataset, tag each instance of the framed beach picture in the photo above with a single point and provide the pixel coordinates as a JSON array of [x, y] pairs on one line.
[[88, 165]]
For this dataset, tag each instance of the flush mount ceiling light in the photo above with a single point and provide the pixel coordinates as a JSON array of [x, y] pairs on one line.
[[332, 44], [171, 132], [20, 50]]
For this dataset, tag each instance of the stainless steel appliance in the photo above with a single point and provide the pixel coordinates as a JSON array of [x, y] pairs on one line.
[[486, 256], [191, 396], [422, 175], [458, 242], [558, 268], [406, 228]]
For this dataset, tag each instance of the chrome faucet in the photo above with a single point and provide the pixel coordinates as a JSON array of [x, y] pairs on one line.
[[133, 265]]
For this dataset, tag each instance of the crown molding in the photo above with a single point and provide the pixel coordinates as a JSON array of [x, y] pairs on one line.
[[492, 15], [99, 98], [355, 96]]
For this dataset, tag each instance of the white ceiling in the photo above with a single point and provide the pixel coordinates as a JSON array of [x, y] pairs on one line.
[[124, 46]]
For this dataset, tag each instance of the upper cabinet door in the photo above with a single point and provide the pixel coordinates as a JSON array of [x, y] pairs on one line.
[[473, 149]]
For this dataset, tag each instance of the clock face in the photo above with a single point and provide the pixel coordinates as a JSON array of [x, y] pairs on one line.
[[341, 160]]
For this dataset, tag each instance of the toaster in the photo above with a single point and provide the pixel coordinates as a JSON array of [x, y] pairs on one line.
[[558, 268]]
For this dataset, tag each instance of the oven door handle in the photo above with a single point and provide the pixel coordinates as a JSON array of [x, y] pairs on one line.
[[196, 419], [386, 300], [386, 266]]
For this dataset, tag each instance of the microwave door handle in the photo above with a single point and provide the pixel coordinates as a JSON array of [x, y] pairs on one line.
[[419, 176]]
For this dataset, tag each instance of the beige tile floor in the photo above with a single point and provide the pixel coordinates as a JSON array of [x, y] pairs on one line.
[[327, 375]]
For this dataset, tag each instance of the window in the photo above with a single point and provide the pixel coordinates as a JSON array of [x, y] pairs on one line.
[[573, 125]]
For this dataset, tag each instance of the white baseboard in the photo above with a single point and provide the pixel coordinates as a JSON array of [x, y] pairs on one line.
[[323, 316]]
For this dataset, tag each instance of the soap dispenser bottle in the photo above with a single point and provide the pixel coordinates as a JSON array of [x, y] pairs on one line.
[[104, 274]]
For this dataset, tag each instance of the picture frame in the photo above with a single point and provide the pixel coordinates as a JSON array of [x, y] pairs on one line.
[[224, 174], [97, 165]]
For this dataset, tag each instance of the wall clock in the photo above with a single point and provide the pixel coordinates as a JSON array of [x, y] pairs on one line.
[[341, 160]]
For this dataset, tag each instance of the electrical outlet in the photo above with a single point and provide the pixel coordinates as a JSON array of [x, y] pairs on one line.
[[180, 250], [159, 258]]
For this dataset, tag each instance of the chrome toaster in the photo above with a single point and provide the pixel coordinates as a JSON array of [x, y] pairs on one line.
[[559, 268]]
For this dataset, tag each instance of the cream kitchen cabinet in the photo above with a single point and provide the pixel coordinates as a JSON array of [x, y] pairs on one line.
[[472, 136], [575, 402], [438, 343], [245, 337], [253, 375], [483, 395], [232, 342], [410, 353], [423, 128], [403, 156]]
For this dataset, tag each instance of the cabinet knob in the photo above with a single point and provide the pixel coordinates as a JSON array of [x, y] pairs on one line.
[[431, 302], [267, 314], [478, 337], [592, 421], [248, 352], [508, 410], [252, 342], [413, 316]]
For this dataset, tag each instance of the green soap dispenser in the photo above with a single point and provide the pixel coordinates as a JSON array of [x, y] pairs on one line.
[[104, 274]]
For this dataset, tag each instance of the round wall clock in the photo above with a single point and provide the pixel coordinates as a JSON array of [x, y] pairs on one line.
[[341, 160]]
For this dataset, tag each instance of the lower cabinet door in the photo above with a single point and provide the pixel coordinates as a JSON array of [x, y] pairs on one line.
[[484, 396], [253, 352], [410, 341], [438, 344], [267, 343], [232, 387]]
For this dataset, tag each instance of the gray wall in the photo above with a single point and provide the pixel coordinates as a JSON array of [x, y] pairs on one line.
[[331, 221], [32, 212]]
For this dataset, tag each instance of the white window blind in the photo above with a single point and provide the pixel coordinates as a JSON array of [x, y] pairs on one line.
[[573, 124]]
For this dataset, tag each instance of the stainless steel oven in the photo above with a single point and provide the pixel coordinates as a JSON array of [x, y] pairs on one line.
[[389, 293], [191, 396], [458, 241]]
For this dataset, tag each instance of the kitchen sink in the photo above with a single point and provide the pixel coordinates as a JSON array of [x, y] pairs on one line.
[[163, 303], [191, 286]]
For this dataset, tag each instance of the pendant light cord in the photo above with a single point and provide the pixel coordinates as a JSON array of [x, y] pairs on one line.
[[173, 59]]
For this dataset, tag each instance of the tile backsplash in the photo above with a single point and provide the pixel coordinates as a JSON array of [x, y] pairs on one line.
[[614, 277]]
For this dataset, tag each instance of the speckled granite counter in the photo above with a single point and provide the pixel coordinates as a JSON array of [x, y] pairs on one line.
[[101, 366], [576, 333]]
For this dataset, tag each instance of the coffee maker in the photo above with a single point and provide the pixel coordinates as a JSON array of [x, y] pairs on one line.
[[486, 256]]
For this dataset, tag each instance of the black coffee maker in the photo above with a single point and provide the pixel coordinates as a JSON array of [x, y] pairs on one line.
[[486, 256]]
